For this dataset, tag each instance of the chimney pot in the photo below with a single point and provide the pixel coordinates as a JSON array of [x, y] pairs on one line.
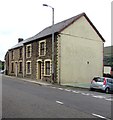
[[20, 40]]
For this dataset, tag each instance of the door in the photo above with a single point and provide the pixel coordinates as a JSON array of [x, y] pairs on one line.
[[39, 70], [16, 69]]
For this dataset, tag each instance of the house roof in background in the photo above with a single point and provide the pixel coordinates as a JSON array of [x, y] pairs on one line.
[[108, 50], [57, 28]]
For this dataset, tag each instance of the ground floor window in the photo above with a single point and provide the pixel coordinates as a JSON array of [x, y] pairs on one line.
[[12, 67], [20, 67], [47, 66], [28, 67]]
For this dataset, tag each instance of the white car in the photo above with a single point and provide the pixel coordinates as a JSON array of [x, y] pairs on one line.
[[102, 83], [2, 71]]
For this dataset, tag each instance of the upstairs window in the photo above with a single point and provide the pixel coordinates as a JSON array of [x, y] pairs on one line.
[[42, 48], [12, 55], [28, 51], [20, 52]]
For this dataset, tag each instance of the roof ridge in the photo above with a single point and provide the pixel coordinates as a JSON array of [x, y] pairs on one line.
[[47, 31], [79, 15], [58, 27]]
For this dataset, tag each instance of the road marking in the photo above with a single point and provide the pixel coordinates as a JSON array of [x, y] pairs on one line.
[[59, 102], [85, 93], [109, 99], [60, 88], [98, 96], [99, 116], [92, 94], [67, 90], [53, 87], [75, 91]]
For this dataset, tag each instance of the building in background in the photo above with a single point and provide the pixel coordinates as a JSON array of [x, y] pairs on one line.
[[108, 55], [78, 53], [108, 60], [2, 66]]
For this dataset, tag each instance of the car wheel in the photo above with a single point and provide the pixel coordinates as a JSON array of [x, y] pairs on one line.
[[91, 89], [107, 90]]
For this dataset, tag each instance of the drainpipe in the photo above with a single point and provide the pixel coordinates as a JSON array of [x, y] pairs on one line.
[[103, 60], [23, 61], [59, 57]]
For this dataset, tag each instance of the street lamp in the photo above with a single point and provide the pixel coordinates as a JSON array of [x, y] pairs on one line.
[[52, 40]]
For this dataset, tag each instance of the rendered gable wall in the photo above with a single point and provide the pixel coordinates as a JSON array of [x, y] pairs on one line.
[[81, 53]]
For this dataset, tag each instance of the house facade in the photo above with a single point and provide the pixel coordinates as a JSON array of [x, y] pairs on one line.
[[78, 53]]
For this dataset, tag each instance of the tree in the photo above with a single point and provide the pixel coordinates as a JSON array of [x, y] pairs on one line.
[[1, 65]]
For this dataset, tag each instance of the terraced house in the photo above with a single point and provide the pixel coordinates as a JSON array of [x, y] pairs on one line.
[[78, 53]]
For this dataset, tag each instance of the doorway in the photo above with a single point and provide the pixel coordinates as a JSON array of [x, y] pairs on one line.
[[39, 71], [16, 69]]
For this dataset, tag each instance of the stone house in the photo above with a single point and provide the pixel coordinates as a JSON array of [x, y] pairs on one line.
[[78, 53], [6, 63]]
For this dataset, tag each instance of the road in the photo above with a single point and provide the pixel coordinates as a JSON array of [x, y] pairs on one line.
[[22, 99]]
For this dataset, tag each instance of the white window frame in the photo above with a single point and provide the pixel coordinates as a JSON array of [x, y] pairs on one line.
[[27, 67], [27, 51], [44, 47], [45, 67]]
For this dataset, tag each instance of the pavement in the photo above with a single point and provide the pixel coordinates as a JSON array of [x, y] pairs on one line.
[[79, 85], [29, 80], [23, 100], [39, 82]]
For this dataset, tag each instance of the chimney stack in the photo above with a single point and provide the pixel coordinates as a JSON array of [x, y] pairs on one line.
[[20, 40]]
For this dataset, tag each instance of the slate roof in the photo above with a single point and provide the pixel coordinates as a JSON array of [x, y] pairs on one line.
[[57, 28]]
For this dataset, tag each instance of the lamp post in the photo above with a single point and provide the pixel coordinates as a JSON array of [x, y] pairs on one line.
[[52, 40]]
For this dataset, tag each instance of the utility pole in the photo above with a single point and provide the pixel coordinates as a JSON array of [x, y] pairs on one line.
[[53, 77]]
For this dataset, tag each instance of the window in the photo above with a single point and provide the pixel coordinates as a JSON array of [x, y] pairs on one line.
[[47, 70], [12, 55], [12, 67], [20, 51], [42, 48], [28, 67], [110, 81], [20, 67], [28, 51], [47, 67]]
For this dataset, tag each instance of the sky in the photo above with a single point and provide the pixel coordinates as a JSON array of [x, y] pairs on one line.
[[25, 18]]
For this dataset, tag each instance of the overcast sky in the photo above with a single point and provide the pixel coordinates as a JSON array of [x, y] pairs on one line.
[[25, 18]]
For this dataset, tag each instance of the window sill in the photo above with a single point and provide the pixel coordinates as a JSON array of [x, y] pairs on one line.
[[47, 75], [28, 73], [28, 57], [20, 72], [41, 55]]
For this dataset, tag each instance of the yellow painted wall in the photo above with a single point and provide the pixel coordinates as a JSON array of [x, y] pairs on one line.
[[81, 53]]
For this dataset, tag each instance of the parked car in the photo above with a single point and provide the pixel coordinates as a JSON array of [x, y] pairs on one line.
[[102, 83], [2, 71]]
